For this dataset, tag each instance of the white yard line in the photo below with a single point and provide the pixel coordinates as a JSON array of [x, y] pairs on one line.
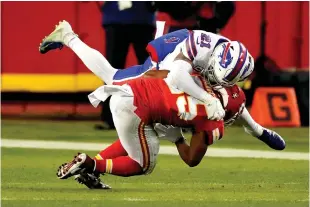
[[167, 150]]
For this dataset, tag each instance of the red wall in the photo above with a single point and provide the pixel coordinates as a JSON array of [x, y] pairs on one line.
[[287, 32], [24, 24]]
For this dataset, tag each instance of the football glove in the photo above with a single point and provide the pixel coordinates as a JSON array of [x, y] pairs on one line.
[[215, 109], [170, 133]]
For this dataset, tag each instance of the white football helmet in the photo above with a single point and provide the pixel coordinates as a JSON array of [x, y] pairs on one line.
[[229, 63]]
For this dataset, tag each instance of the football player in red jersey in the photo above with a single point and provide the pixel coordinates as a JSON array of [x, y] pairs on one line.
[[138, 105], [216, 58], [150, 104], [235, 109]]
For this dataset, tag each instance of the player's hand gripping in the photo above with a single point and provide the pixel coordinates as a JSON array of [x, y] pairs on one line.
[[170, 133], [214, 109]]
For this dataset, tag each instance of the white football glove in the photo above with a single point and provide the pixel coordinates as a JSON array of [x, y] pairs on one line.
[[214, 109], [170, 133]]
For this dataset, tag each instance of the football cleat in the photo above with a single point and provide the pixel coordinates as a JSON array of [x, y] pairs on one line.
[[79, 163], [272, 139], [91, 180], [56, 39]]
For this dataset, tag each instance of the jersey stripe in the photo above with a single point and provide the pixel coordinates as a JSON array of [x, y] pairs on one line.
[[188, 49], [144, 147], [193, 45], [153, 53], [216, 134]]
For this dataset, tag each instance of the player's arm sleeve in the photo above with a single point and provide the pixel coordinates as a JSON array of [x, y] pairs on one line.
[[251, 126], [214, 130], [189, 48], [179, 77]]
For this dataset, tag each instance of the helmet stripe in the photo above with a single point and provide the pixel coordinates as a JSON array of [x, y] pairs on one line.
[[246, 69], [225, 52], [241, 60]]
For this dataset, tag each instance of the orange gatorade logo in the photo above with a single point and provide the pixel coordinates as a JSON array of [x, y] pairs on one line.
[[275, 107]]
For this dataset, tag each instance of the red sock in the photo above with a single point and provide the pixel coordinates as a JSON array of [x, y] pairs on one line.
[[121, 166], [114, 150]]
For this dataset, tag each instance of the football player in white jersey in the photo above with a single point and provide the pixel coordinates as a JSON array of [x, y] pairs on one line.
[[221, 61]]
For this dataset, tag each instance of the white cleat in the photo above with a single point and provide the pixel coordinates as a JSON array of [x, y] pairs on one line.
[[62, 34]]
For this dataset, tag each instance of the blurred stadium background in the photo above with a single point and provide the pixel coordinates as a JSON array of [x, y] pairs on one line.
[[44, 97]]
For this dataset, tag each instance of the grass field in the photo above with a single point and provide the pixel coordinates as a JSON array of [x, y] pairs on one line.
[[28, 175], [297, 139]]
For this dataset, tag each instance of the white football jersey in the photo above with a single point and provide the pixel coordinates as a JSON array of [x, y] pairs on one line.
[[197, 47]]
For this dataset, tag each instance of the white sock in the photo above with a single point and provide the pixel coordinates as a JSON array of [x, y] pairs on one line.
[[251, 126], [68, 37], [93, 59]]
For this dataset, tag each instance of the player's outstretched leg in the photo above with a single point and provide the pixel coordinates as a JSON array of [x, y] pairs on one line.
[[122, 166], [269, 137], [94, 60], [92, 180], [83, 168], [114, 150], [61, 35], [272, 139]]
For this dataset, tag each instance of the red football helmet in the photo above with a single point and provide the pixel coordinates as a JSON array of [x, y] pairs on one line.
[[233, 101]]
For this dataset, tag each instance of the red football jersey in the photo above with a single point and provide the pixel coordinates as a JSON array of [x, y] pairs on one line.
[[157, 102]]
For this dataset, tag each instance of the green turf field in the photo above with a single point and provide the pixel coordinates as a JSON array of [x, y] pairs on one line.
[[28, 179], [297, 139], [29, 175]]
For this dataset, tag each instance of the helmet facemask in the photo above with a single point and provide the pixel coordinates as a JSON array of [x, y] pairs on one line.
[[210, 75]]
